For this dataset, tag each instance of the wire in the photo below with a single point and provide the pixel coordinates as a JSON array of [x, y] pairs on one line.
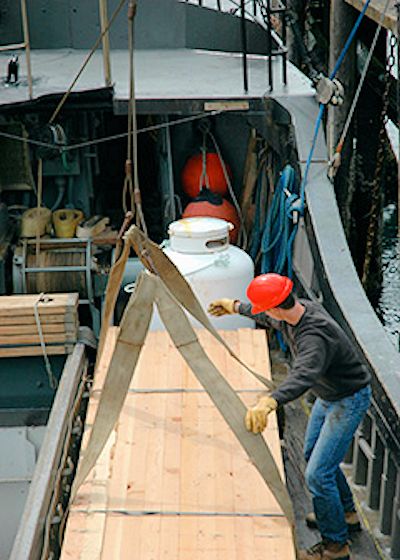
[[22, 139], [112, 137], [242, 230], [335, 162], [322, 107], [86, 61]]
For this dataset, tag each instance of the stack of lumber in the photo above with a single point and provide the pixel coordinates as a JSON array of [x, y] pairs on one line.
[[173, 482], [19, 330]]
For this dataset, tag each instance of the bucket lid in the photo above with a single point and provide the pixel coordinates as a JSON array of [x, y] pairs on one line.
[[200, 227]]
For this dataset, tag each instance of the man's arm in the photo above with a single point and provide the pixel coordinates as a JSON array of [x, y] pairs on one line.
[[310, 363], [260, 318]]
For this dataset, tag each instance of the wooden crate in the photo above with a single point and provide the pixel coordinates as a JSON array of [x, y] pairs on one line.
[[173, 483], [19, 333]]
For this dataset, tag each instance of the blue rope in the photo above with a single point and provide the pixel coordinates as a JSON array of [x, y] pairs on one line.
[[281, 223], [322, 107], [279, 228]]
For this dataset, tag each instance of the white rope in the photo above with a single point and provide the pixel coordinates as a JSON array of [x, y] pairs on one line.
[[242, 231], [335, 162], [50, 374]]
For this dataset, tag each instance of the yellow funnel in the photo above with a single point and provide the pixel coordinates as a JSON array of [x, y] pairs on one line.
[[65, 221]]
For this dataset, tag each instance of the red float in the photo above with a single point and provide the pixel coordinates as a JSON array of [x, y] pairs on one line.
[[192, 171], [214, 206]]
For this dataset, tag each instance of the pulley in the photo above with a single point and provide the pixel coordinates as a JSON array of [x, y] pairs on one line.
[[54, 135], [328, 91]]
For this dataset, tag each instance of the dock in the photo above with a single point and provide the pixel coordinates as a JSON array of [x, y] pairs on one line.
[[173, 482]]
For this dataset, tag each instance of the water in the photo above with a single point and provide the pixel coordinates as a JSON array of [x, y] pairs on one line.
[[389, 303]]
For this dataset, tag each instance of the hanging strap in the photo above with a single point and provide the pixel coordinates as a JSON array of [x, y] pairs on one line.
[[133, 330], [155, 260], [221, 393], [134, 326]]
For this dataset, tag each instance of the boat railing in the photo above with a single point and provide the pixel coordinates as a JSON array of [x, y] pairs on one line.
[[271, 14]]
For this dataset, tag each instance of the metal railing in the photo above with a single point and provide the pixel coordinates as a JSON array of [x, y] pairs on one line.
[[25, 45], [271, 14]]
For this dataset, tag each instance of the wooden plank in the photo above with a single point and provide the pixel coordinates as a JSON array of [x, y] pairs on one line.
[[374, 11], [51, 350], [26, 339], [24, 304], [84, 539], [47, 328], [174, 453], [67, 318]]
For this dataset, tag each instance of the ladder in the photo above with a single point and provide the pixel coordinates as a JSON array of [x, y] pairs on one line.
[[25, 45]]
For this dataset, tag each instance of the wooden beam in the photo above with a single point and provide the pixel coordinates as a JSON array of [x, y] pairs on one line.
[[374, 11], [25, 26], [105, 41]]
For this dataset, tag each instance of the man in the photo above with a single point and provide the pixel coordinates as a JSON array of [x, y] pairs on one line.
[[325, 362]]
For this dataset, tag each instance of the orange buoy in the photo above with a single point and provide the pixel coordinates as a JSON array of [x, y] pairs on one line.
[[214, 206], [192, 171]]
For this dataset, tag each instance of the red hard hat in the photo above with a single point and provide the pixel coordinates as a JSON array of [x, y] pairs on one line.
[[268, 290]]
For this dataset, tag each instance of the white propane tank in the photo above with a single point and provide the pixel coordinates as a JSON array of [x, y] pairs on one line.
[[199, 248]]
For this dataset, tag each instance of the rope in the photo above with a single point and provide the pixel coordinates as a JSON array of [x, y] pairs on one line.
[[111, 137], [336, 159], [38, 207], [322, 107], [275, 239], [132, 187], [242, 231], [50, 374], [86, 61]]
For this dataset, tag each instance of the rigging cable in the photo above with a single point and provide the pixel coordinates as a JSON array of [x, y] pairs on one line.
[[111, 137], [336, 159], [132, 157], [86, 61], [322, 107]]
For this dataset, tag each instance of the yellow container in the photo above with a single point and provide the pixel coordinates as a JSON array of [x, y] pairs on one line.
[[65, 221], [35, 222]]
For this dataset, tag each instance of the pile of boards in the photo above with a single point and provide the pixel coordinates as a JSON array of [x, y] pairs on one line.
[[23, 318], [172, 482]]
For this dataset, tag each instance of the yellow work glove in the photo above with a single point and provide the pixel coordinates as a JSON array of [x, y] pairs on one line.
[[221, 307], [257, 417]]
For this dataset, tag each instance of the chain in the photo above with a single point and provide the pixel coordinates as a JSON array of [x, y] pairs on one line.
[[380, 158]]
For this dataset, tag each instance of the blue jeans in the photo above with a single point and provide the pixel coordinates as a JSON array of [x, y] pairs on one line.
[[329, 433]]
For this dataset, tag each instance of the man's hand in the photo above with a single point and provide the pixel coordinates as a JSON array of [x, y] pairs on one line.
[[221, 307], [257, 417]]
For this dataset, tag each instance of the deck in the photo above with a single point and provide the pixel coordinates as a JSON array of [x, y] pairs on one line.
[[173, 482]]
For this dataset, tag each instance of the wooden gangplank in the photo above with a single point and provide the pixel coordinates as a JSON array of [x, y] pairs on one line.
[[173, 483]]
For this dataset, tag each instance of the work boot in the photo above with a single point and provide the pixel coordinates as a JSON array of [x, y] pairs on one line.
[[326, 550], [351, 517]]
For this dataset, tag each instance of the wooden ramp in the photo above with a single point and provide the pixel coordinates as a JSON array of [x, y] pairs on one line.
[[173, 483]]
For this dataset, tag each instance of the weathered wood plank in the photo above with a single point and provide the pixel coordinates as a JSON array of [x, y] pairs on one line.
[[47, 328], [24, 304], [51, 350], [49, 338]]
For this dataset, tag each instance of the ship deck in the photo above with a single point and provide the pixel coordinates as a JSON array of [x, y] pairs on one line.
[[173, 482], [163, 75]]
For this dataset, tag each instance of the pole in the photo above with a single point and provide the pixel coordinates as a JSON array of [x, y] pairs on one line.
[[105, 41], [27, 46], [398, 118], [342, 18], [244, 46]]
